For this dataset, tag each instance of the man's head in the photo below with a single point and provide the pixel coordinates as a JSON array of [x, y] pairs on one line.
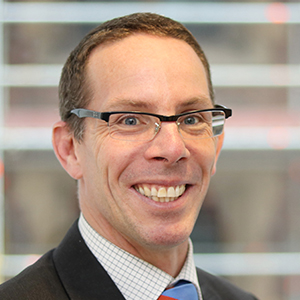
[[74, 91], [142, 195]]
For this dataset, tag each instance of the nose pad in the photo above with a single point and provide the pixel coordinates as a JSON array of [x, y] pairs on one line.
[[178, 128], [157, 129], [169, 146]]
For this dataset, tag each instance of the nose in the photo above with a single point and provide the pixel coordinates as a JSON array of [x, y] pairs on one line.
[[168, 145]]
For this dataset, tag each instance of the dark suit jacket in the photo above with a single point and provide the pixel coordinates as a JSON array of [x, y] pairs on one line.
[[72, 272]]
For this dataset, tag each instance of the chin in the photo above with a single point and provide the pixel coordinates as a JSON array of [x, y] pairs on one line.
[[164, 239]]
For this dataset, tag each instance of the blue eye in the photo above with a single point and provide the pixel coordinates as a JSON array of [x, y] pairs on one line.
[[130, 121], [191, 120]]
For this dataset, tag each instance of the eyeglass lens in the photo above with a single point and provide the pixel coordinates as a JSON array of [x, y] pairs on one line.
[[140, 127]]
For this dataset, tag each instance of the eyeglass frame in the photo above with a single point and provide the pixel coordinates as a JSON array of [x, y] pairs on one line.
[[86, 113]]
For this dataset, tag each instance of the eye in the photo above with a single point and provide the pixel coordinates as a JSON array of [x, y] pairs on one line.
[[126, 120], [192, 120], [130, 121]]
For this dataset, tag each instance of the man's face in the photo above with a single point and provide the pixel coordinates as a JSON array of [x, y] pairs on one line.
[[148, 74]]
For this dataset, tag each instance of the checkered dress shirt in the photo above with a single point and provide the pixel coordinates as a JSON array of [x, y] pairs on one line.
[[135, 278]]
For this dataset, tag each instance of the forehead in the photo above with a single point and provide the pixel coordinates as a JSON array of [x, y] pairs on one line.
[[157, 71]]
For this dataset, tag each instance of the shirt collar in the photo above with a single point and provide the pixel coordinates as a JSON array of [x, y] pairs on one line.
[[135, 278]]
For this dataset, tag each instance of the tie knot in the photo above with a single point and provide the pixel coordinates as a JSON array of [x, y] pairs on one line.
[[183, 290]]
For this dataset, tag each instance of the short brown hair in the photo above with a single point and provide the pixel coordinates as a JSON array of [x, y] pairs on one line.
[[73, 86]]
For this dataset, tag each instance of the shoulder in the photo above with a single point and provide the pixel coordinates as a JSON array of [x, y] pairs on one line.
[[220, 288], [38, 281]]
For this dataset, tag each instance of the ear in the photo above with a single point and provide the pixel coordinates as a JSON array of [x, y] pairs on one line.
[[65, 145], [219, 145]]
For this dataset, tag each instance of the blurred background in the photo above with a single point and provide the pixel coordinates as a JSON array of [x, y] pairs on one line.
[[249, 227]]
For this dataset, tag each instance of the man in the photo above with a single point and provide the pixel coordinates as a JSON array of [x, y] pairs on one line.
[[141, 134]]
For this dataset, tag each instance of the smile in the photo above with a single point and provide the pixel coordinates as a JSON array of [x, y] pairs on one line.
[[162, 194]]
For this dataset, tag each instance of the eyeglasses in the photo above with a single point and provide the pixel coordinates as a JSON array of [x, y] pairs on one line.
[[142, 126]]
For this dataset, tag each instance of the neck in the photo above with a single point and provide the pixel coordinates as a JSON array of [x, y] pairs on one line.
[[169, 259]]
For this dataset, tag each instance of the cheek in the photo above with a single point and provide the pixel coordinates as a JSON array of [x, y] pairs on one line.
[[205, 155], [118, 159]]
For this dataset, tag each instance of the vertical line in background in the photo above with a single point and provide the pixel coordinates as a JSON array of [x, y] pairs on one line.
[[293, 45], [2, 236]]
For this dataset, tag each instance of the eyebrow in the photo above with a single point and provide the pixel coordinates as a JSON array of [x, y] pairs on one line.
[[204, 102], [121, 104], [128, 104]]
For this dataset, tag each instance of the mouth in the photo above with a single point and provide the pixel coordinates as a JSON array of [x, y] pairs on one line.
[[161, 194]]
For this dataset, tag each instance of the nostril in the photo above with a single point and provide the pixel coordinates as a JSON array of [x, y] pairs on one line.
[[164, 159], [158, 158]]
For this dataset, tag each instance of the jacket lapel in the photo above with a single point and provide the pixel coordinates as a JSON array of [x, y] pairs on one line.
[[80, 272], [208, 290], [217, 288]]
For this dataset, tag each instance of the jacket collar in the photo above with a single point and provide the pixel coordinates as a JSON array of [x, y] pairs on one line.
[[81, 274]]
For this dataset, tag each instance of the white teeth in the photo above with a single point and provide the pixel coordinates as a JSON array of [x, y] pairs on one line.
[[171, 192], [153, 191], [141, 190], [147, 191], [163, 194], [181, 189]]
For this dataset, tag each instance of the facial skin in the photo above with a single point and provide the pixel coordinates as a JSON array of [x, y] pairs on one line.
[[150, 74]]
